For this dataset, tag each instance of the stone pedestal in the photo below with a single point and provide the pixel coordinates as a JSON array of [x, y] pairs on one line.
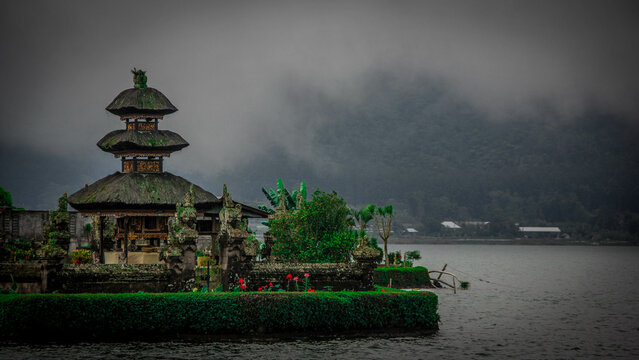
[[366, 257]]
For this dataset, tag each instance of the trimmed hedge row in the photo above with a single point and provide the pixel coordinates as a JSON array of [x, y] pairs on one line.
[[144, 316], [403, 277]]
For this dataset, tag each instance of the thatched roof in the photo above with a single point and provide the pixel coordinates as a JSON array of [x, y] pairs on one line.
[[141, 101], [159, 140], [139, 191], [247, 211]]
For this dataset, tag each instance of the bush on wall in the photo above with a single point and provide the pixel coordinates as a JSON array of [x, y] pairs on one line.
[[403, 277]]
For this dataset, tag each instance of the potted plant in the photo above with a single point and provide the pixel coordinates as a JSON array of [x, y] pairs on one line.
[[51, 251]]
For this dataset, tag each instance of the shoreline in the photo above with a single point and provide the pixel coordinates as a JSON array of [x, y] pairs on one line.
[[498, 241]]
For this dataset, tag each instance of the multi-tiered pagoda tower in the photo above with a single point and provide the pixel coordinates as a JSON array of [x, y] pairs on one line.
[[142, 196]]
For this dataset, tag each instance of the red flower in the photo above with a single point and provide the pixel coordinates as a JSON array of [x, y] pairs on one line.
[[260, 289], [311, 290], [289, 277], [307, 275], [270, 284], [383, 290], [241, 281], [243, 287]]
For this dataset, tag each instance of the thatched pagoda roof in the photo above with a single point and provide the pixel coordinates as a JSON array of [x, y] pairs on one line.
[[247, 211], [156, 191], [159, 140], [141, 101]]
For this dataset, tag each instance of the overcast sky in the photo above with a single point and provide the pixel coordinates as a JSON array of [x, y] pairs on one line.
[[229, 67]]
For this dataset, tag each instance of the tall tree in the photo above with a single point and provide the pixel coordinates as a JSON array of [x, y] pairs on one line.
[[362, 217], [5, 198], [383, 218], [319, 231]]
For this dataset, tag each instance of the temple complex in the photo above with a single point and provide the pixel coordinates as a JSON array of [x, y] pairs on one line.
[[142, 196]]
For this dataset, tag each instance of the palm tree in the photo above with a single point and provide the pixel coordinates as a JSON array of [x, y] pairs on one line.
[[362, 217], [383, 218]]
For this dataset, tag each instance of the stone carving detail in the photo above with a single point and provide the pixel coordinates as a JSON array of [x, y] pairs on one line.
[[366, 256], [127, 166], [148, 166], [236, 249], [179, 250], [143, 126]]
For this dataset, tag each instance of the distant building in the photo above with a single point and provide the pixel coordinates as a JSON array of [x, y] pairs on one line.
[[450, 225], [478, 224], [411, 230], [540, 231]]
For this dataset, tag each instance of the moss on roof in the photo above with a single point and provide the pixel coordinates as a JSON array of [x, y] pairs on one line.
[[119, 140], [139, 191], [141, 101]]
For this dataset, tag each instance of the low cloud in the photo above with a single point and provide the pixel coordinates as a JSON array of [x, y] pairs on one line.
[[228, 67]]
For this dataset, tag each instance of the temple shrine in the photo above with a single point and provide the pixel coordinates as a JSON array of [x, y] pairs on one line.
[[142, 196]]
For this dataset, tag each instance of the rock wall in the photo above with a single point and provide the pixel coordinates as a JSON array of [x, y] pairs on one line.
[[29, 224], [322, 276], [113, 278]]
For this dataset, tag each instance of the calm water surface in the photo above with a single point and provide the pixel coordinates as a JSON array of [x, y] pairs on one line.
[[525, 302]]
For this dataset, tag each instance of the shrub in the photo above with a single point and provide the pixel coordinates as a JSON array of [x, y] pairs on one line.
[[403, 277], [5, 198], [81, 317], [51, 251], [16, 250], [320, 231], [82, 256]]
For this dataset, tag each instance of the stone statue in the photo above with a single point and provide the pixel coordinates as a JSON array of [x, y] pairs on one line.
[[139, 78], [182, 228], [236, 248]]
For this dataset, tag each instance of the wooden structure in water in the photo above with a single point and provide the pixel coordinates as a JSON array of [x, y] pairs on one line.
[[142, 196]]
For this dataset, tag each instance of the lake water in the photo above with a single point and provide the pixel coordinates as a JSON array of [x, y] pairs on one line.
[[525, 302]]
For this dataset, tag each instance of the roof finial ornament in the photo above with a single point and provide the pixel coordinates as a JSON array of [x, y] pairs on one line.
[[139, 78]]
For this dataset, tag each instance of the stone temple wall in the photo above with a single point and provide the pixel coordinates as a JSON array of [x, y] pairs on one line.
[[29, 224], [322, 276]]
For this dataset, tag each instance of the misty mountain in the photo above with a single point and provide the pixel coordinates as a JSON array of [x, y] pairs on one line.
[[415, 145], [410, 142]]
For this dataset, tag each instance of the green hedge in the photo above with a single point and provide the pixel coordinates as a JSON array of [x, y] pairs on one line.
[[403, 277], [81, 317]]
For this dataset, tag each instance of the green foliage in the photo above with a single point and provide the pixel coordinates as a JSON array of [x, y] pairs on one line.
[[56, 229], [413, 255], [362, 216], [139, 78], [395, 258], [281, 193], [403, 277], [385, 211], [5, 198], [16, 250], [51, 250], [140, 316], [320, 231], [81, 256]]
